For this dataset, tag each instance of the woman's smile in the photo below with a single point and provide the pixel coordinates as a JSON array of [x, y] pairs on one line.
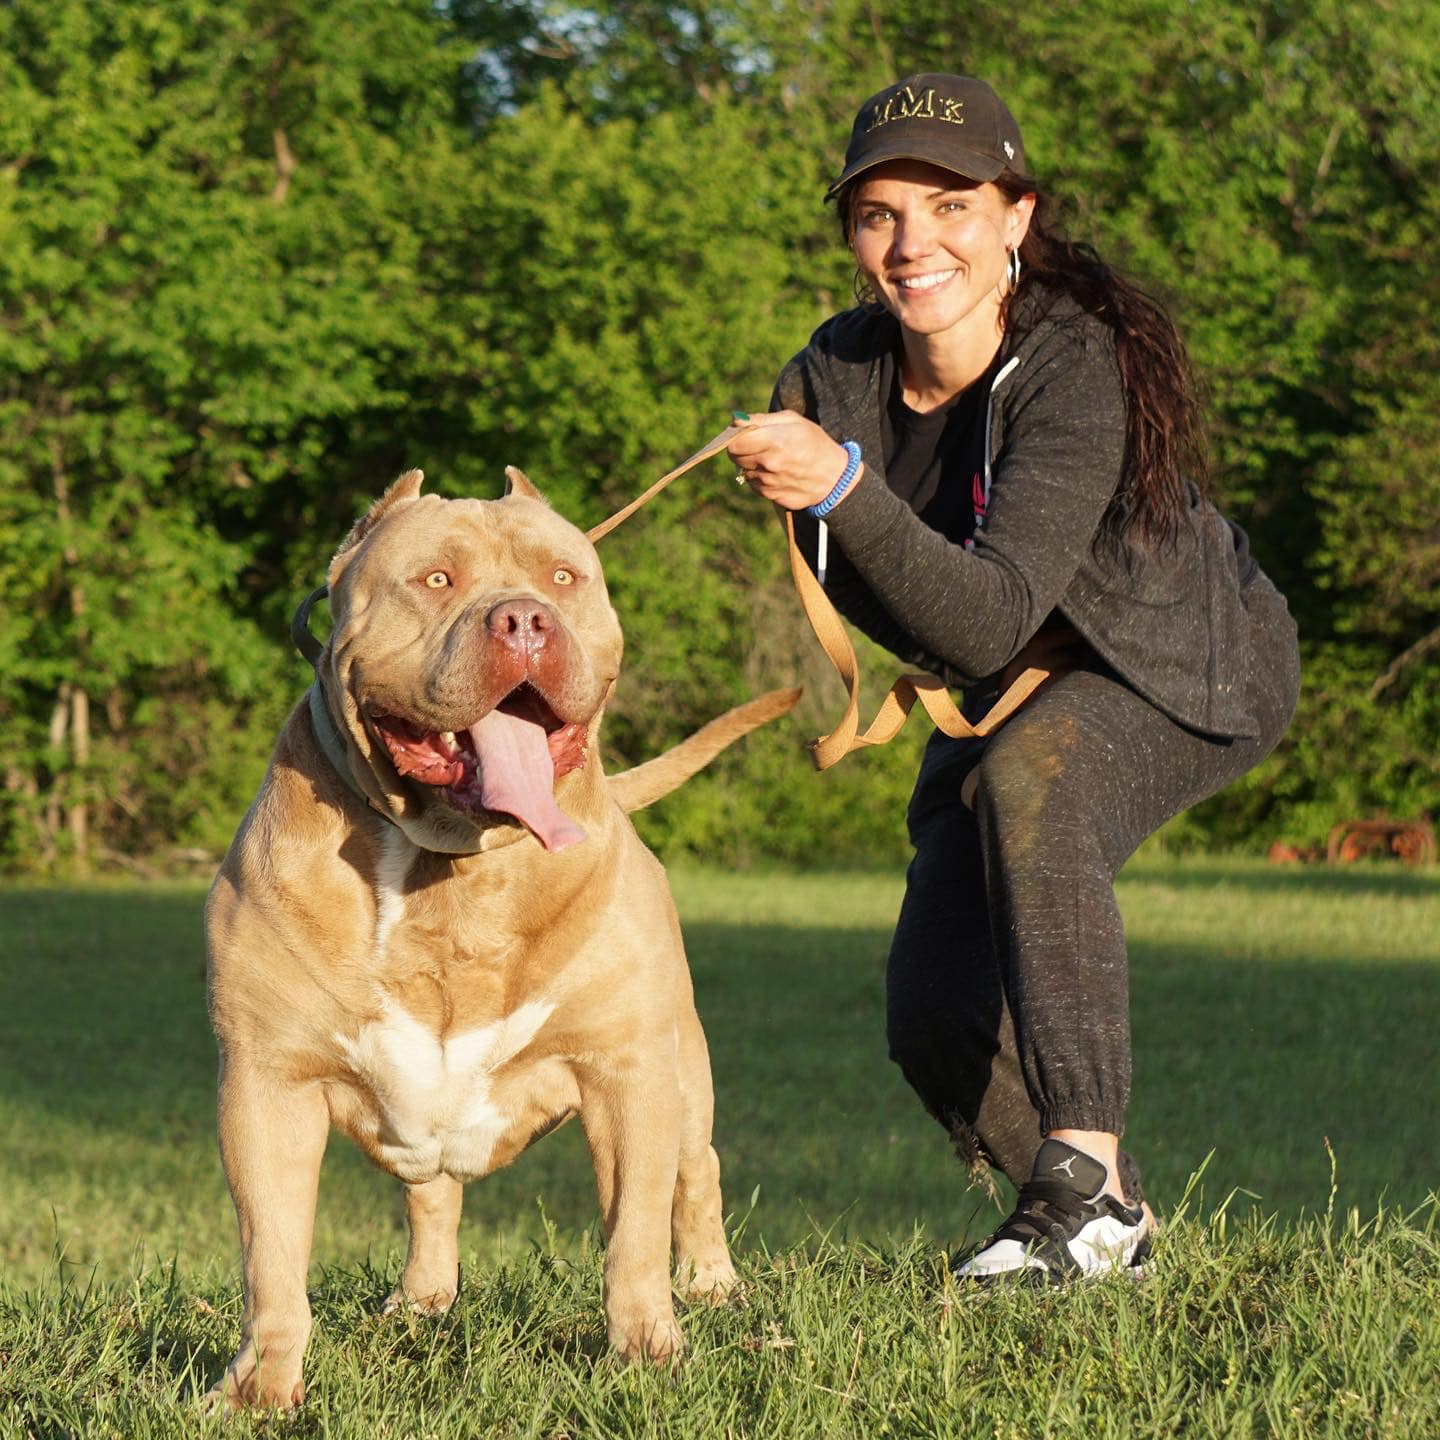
[[932, 280], [934, 246]]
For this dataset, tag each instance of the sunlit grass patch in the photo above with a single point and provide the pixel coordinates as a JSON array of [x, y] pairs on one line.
[[1273, 1009]]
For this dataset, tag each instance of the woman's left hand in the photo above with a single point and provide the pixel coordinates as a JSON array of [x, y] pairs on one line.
[[1057, 649], [789, 459]]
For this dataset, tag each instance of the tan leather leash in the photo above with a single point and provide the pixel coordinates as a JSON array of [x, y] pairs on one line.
[[835, 641], [895, 708], [711, 447]]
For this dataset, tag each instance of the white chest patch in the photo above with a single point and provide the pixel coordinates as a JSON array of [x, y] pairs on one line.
[[436, 1100], [392, 865]]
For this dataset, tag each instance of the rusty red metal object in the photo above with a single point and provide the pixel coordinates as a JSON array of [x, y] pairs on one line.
[[1411, 841]]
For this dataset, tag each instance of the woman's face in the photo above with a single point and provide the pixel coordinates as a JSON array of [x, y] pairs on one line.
[[934, 245]]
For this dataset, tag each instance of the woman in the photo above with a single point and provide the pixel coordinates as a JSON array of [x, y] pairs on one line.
[[1019, 486]]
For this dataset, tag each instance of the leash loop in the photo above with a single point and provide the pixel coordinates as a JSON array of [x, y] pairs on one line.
[[830, 631], [895, 709]]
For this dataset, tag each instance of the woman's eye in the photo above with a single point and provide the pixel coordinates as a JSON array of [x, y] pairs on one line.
[[563, 576], [437, 579]]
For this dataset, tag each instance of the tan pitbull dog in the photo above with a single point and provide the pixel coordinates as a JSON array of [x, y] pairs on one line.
[[444, 937]]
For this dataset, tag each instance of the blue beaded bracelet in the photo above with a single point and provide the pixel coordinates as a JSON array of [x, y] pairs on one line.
[[820, 511]]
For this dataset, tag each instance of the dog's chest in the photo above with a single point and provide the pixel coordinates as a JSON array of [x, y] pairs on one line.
[[436, 1100]]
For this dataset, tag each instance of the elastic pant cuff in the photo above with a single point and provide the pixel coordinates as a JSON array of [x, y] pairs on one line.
[[1080, 1116]]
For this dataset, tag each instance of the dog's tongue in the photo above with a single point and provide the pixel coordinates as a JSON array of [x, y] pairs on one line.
[[517, 777]]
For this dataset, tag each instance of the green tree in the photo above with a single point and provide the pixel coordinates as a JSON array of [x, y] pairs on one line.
[[207, 271], [257, 258]]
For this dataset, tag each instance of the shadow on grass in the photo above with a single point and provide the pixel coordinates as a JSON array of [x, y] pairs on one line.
[[1261, 1063], [105, 1016], [104, 1028]]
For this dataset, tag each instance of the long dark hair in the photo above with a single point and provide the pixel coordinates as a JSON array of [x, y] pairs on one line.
[[1164, 421]]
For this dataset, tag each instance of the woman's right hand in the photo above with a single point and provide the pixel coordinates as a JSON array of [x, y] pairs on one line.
[[789, 459]]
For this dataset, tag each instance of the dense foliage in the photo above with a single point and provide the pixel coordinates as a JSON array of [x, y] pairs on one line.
[[257, 257]]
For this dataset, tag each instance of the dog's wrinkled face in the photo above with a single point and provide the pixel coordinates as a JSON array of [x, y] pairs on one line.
[[474, 647]]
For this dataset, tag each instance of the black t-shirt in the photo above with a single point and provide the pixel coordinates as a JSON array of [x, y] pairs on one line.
[[936, 462]]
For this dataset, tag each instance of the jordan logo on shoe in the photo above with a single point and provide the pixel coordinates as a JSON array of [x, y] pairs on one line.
[[1066, 1165]]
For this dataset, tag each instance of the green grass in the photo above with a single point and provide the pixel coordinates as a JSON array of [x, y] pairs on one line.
[[1272, 1008]]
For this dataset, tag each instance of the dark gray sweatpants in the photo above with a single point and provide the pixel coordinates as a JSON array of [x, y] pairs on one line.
[[1008, 985]]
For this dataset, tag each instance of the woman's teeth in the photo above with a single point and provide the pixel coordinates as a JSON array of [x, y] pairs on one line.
[[925, 282]]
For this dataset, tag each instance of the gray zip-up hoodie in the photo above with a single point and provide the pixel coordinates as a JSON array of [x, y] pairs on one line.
[[1172, 622]]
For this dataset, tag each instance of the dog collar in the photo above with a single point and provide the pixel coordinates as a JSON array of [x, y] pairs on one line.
[[305, 642], [326, 735], [334, 748]]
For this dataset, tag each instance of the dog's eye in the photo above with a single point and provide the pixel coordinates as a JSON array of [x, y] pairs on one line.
[[564, 576], [437, 579]]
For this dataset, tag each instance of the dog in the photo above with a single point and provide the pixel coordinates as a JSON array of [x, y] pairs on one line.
[[437, 931]]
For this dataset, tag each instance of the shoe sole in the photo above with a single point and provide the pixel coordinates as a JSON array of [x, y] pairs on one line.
[[1034, 1277]]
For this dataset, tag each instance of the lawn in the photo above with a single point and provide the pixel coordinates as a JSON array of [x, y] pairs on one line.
[[1285, 1023]]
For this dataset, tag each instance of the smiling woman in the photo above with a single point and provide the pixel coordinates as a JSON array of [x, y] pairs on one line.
[[1002, 441], [935, 250]]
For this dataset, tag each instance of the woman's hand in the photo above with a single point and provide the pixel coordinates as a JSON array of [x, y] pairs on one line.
[[1057, 649], [789, 459]]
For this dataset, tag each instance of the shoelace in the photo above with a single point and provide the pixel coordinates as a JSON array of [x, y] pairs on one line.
[[1042, 1207]]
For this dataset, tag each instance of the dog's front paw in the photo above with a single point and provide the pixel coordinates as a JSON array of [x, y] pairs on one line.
[[249, 1384], [401, 1298], [646, 1337], [712, 1281]]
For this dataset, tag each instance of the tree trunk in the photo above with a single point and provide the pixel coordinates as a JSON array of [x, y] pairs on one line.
[[72, 696], [285, 167], [79, 817], [59, 724]]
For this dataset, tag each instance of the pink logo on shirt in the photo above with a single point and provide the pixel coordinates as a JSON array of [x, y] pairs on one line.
[[981, 501]]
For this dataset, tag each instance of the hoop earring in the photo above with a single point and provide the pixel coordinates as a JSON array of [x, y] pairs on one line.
[[1012, 271], [860, 287]]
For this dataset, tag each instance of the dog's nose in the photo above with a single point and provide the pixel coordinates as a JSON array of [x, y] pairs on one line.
[[522, 624]]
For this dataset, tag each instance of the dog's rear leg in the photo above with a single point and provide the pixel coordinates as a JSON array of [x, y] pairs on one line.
[[272, 1140], [702, 1258], [632, 1121], [432, 1268]]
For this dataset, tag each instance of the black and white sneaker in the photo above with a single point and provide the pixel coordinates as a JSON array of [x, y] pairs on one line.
[[1064, 1226]]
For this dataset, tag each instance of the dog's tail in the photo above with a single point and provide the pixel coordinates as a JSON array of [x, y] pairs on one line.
[[642, 786]]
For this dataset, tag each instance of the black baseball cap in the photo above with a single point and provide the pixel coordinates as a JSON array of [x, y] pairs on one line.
[[954, 121]]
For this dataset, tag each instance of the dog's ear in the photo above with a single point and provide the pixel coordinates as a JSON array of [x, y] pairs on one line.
[[405, 489], [517, 482]]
